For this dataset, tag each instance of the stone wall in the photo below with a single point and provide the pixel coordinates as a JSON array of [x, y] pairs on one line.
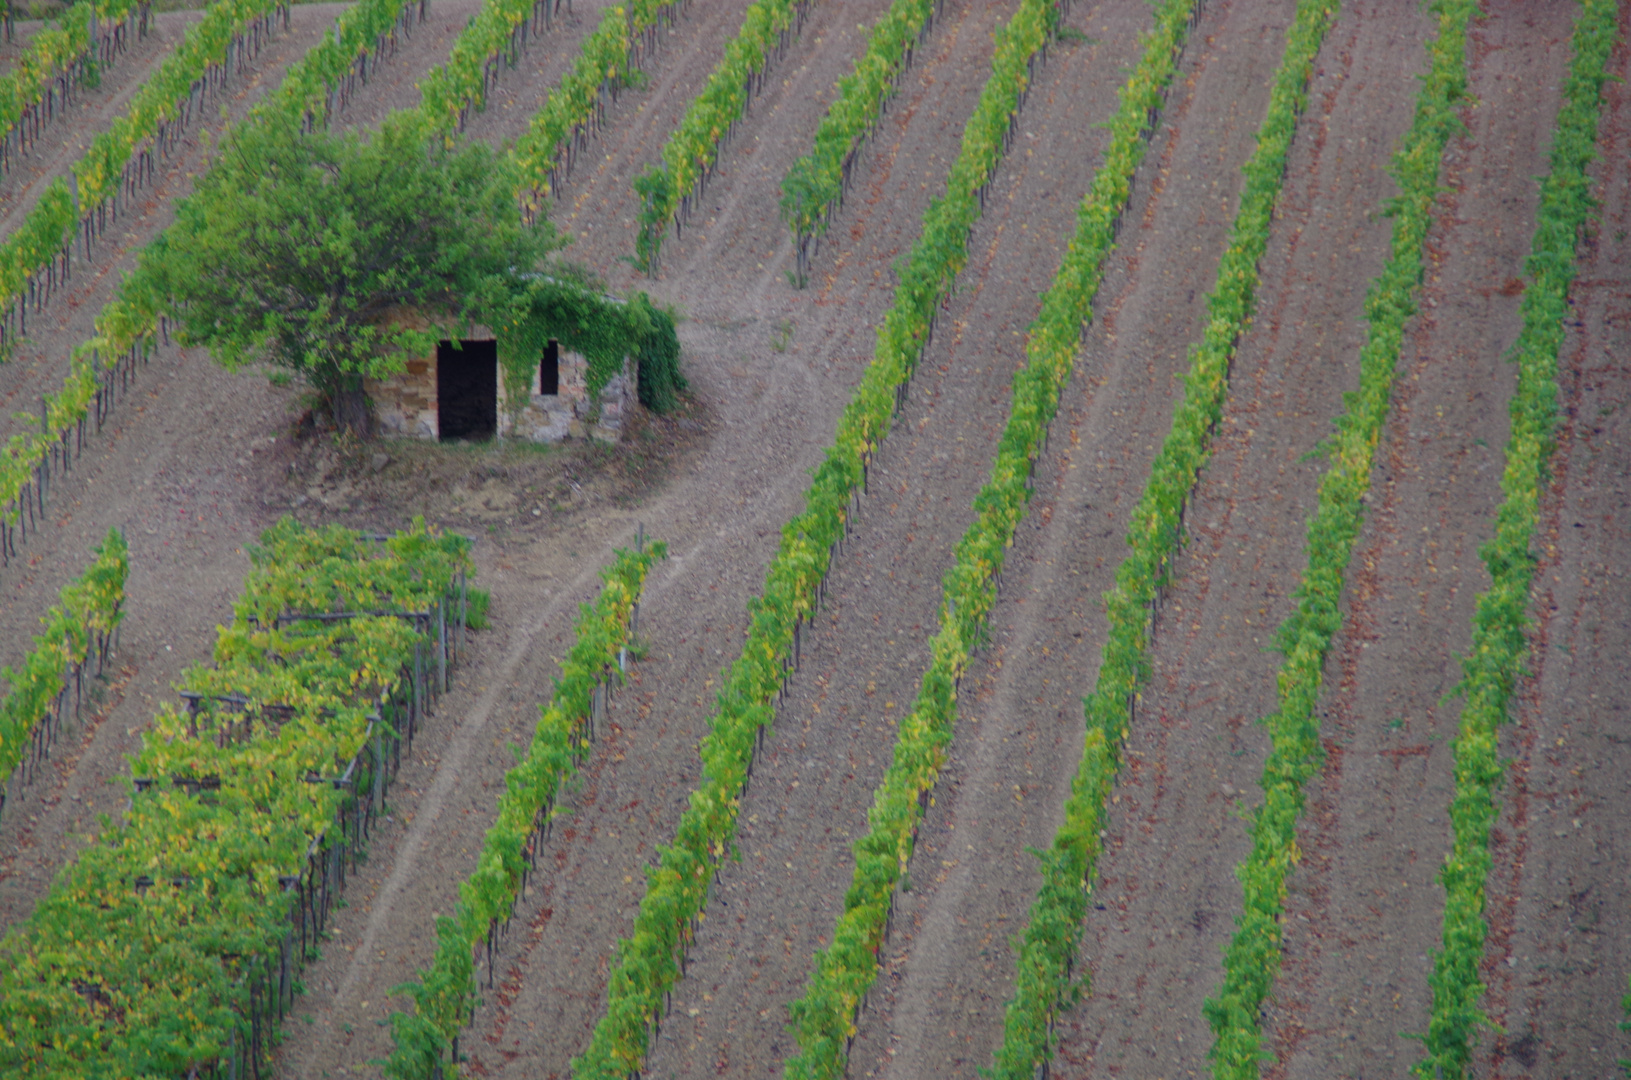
[[553, 417], [406, 404]]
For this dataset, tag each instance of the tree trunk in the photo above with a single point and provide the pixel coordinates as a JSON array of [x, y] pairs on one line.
[[351, 409]]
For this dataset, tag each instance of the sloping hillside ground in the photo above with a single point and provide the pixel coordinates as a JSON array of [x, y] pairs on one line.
[[197, 461], [1559, 951], [1379, 828], [167, 471], [70, 131]]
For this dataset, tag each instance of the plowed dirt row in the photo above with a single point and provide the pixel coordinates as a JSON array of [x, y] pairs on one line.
[[938, 1007], [1167, 898], [1378, 827], [1559, 953]]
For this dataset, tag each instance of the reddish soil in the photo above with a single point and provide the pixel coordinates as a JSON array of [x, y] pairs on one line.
[[197, 461], [1379, 828]]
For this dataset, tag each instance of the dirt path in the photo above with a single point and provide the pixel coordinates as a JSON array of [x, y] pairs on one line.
[[1378, 826], [1167, 898], [1559, 954], [771, 369], [542, 1015], [776, 411]]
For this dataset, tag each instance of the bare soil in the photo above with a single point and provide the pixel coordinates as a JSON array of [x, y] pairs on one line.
[[196, 462]]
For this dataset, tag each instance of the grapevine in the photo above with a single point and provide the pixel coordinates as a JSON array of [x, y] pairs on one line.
[[1494, 663], [36, 259], [444, 995], [648, 962], [1252, 958], [59, 58], [1048, 944], [493, 39], [80, 628], [813, 190], [575, 108], [688, 157]]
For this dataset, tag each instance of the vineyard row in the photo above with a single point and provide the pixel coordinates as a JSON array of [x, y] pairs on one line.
[[651, 959], [1049, 942], [445, 995], [79, 629], [575, 108], [825, 1017], [37, 258], [667, 192], [1252, 958], [60, 58], [814, 187], [1494, 663]]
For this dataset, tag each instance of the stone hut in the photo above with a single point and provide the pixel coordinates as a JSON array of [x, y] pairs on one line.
[[458, 392]]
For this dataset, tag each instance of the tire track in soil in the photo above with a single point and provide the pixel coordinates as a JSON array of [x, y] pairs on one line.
[[447, 799], [1166, 898], [181, 506], [1364, 907], [1557, 954], [773, 908]]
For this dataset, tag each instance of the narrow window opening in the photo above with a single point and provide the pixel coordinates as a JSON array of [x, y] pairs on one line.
[[467, 389], [549, 370]]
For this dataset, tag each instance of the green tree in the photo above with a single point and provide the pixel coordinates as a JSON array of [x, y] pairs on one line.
[[298, 247]]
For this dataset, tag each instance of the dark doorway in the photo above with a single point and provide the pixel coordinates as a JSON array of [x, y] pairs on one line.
[[549, 371], [467, 389]]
